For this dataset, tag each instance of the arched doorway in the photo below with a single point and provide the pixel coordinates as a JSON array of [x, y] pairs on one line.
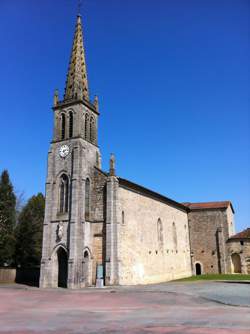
[[197, 269], [86, 268], [62, 268], [248, 265], [236, 262]]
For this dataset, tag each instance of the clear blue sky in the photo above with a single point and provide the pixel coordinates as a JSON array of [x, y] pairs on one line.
[[172, 78]]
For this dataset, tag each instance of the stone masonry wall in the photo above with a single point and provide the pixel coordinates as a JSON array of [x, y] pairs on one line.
[[78, 234], [209, 230], [242, 248], [230, 221], [93, 229], [150, 248]]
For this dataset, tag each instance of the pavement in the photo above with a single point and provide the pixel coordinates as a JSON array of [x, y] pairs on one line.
[[228, 293], [171, 308]]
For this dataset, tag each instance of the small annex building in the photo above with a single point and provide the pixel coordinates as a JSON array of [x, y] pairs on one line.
[[238, 250], [210, 226], [99, 227]]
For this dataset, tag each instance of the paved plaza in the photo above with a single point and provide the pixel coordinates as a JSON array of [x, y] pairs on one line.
[[178, 308]]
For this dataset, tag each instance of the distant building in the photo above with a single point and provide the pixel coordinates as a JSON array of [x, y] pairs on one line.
[[101, 227], [238, 250]]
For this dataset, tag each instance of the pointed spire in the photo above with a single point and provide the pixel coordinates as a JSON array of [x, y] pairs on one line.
[[77, 82]]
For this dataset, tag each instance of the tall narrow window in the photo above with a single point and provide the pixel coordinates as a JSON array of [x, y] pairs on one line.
[[160, 234], [92, 130], [186, 236], [123, 218], [174, 236], [64, 194], [87, 199], [63, 126], [86, 129], [71, 124]]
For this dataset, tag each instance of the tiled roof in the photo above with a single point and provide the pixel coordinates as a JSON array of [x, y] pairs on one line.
[[209, 205], [242, 235]]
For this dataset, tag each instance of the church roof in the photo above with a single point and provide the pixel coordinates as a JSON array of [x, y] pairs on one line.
[[187, 206], [77, 82], [209, 205], [241, 235], [152, 194]]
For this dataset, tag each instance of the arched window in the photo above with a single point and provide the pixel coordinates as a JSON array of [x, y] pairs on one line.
[[123, 218], [71, 124], [86, 129], [87, 199], [62, 126], [160, 234], [174, 236], [92, 130], [86, 255], [64, 194]]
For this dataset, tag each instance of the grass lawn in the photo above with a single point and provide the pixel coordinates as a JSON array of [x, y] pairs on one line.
[[217, 277]]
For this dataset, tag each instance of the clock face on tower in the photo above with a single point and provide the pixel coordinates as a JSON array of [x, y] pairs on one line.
[[64, 151]]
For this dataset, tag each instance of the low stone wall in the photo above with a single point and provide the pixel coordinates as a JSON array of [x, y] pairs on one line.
[[7, 275]]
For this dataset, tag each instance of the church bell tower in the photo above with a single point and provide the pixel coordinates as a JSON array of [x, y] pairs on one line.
[[72, 156]]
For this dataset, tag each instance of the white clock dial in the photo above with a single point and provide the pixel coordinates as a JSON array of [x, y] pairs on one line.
[[64, 151]]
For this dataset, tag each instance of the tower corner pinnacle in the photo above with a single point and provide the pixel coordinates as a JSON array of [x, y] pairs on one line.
[[56, 97], [96, 103], [112, 165]]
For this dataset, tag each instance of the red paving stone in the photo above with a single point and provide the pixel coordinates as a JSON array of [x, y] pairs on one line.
[[34, 311]]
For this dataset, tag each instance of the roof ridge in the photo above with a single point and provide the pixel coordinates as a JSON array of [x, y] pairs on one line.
[[245, 234], [209, 205]]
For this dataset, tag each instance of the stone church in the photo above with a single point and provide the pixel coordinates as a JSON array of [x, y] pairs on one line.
[[102, 229]]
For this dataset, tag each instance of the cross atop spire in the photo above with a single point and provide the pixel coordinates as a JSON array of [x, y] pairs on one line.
[[77, 82], [79, 6]]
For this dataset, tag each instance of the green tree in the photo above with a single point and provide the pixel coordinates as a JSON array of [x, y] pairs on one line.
[[29, 232], [7, 219]]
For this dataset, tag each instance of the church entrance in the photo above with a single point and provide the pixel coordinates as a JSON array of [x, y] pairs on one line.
[[198, 269], [62, 268], [236, 262]]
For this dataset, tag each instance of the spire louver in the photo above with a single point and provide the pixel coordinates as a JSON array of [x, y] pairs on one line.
[[77, 82]]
